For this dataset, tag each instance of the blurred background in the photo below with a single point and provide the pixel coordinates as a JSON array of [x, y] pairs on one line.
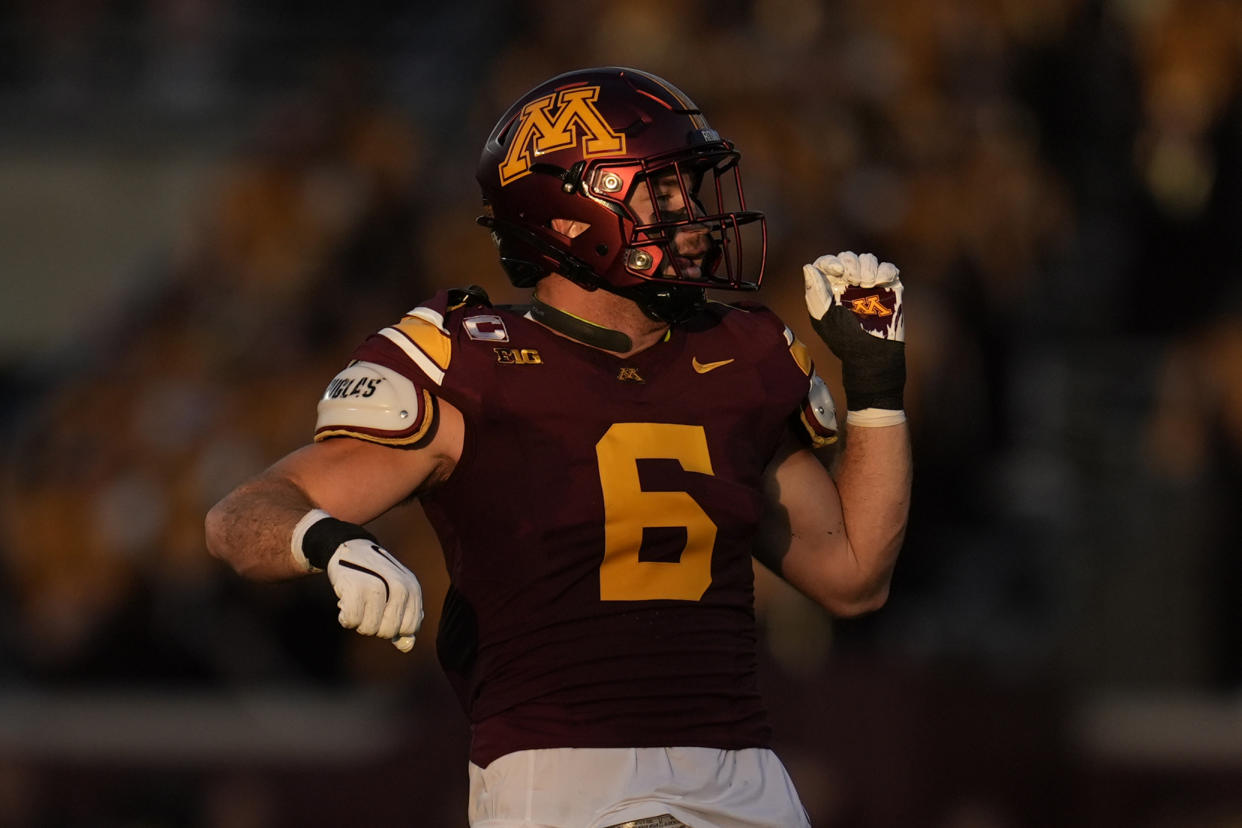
[[205, 204]]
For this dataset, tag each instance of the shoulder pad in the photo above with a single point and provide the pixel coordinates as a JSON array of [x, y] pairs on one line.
[[800, 353], [819, 414], [421, 335], [374, 403]]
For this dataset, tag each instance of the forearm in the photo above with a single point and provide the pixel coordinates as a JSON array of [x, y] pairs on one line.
[[250, 529], [254, 528], [873, 476]]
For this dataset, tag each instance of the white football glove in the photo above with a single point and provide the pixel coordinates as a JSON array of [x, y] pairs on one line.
[[855, 307], [864, 285], [377, 594]]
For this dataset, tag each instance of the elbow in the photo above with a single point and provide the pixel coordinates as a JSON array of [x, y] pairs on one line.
[[216, 533], [248, 530], [857, 600], [862, 604]]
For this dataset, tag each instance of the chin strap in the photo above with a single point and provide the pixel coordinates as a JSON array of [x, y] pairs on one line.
[[577, 328]]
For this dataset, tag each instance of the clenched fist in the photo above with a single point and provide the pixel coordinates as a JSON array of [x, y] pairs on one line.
[[377, 595], [855, 307]]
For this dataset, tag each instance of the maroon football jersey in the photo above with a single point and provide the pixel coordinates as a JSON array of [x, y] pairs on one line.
[[598, 528]]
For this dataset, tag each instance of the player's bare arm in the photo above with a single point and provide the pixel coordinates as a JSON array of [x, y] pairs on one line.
[[268, 528], [837, 540], [355, 481], [836, 536]]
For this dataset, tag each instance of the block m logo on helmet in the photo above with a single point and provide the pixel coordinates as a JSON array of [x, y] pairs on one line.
[[556, 122]]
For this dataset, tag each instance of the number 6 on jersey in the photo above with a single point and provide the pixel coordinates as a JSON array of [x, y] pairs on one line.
[[628, 509]]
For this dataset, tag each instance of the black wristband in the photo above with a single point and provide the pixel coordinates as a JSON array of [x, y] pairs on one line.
[[873, 370], [325, 535], [874, 386]]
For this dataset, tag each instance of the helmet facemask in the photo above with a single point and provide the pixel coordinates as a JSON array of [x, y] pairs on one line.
[[684, 220]]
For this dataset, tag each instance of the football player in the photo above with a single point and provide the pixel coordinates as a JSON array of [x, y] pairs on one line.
[[602, 465]]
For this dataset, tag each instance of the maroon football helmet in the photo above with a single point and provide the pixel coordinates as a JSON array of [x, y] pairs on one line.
[[561, 175]]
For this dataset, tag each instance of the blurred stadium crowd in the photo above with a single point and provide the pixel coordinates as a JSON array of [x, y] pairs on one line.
[[1060, 182]]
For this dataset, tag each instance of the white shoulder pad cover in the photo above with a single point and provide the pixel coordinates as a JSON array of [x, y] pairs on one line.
[[374, 403], [819, 413]]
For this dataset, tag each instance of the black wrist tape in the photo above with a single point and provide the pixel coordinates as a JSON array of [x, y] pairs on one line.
[[874, 384], [325, 535], [873, 370]]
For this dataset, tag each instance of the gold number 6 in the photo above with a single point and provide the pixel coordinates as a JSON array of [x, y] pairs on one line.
[[628, 509]]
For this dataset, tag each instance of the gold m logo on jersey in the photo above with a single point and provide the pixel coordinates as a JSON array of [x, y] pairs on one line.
[[628, 374], [869, 306], [556, 122]]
